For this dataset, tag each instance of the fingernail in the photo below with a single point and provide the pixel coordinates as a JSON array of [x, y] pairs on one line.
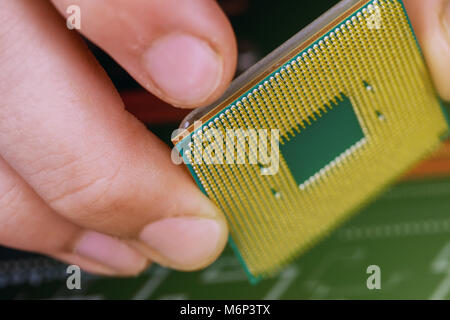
[[184, 68], [110, 252], [185, 242]]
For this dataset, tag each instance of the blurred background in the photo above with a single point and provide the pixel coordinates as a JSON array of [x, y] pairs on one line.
[[406, 231]]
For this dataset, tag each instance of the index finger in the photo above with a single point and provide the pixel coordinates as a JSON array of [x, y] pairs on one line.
[[182, 51]]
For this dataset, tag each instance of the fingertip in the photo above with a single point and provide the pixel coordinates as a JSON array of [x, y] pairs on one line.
[[196, 61], [188, 71], [445, 91], [430, 20], [110, 255], [185, 243], [184, 69]]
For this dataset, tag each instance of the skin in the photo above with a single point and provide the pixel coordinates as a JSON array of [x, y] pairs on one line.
[[81, 179]]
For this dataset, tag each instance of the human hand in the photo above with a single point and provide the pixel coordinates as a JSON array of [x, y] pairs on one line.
[[431, 23], [81, 179]]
